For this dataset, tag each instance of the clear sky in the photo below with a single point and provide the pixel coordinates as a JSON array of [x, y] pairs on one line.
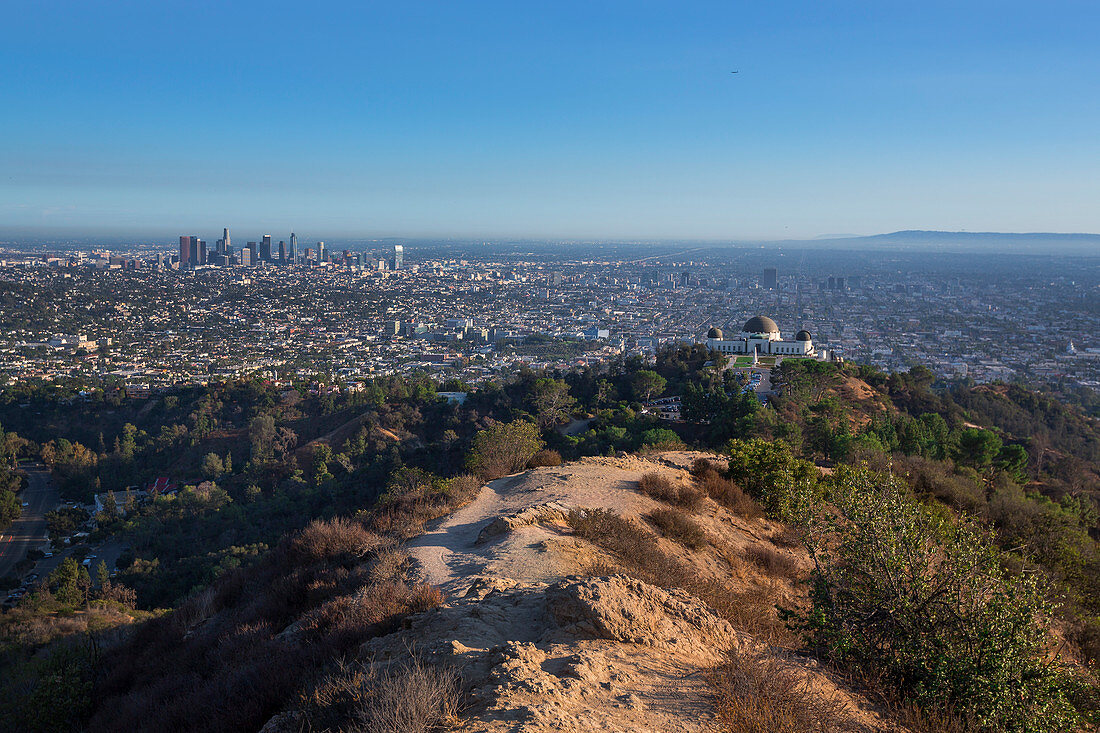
[[552, 119]]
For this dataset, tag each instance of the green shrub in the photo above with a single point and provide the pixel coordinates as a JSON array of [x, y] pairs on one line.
[[661, 439], [504, 448], [923, 600], [787, 487]]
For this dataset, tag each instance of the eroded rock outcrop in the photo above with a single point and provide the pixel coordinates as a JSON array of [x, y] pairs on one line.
[[612, 653], [551, 511]]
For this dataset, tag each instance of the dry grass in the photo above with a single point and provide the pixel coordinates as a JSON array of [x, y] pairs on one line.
[[412, 698], [223, 662], [388, 562], [727, 493], [346, 621], [664, 489], [679, 526], [323, 539], [701, 466], [917, 720], [750, 609], [788, 537], [546, 457], [760, 693], [775, 563], [403, 514]]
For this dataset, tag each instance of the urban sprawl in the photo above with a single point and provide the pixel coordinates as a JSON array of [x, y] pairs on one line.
[[148, 320]]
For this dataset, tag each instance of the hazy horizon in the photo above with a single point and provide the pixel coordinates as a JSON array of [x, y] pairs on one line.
[[1034, 244]]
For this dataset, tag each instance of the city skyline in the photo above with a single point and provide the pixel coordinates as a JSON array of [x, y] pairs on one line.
[[617, 122]]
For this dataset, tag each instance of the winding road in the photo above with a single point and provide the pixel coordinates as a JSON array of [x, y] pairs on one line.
[[29, 531]]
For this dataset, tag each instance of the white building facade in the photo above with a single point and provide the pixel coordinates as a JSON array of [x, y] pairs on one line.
[[761, 337]]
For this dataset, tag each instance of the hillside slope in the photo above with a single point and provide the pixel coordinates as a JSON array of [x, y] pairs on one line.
[[545, 635]]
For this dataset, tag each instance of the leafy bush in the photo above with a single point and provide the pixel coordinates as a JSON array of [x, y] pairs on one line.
[[679, 526], [960, 489], [504, 448], [786, 486], [660, 439], [925, 601], [414, 497]]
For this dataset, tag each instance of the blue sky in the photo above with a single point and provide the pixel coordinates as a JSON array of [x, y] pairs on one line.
[[555, 119]]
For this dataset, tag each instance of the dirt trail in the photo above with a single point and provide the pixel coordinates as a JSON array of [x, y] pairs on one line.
[[542, 646], [448, 555]]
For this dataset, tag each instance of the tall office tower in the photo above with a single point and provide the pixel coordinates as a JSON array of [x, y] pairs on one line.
[[193, 257], [202, 251], [225, 239], [398, 257], [252, 253], [320, 252], [185, 250], [265, 248], [219, 247], [770, 280], [282, 252], [293, 246]]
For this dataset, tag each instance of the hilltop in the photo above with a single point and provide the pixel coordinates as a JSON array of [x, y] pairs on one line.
[[547, 630]]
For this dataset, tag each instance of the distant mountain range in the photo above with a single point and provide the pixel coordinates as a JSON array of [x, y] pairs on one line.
[[988, 242]]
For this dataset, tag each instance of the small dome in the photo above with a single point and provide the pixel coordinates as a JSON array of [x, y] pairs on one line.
[[760, 324], [714, 333], [802, 335]]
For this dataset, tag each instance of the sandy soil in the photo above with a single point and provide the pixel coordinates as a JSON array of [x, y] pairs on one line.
[[448, 555]]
